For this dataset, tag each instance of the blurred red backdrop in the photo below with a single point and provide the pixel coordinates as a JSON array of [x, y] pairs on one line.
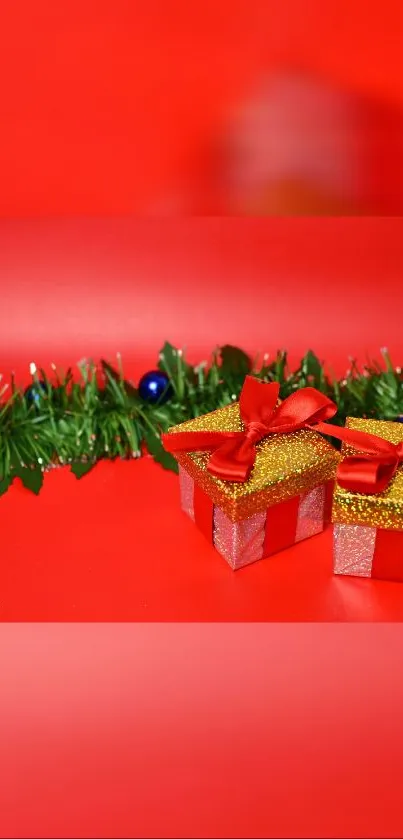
[[72, 288], [106, 107]]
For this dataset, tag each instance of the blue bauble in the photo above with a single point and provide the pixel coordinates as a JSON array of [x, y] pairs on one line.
[[35, 393], [155, 386]]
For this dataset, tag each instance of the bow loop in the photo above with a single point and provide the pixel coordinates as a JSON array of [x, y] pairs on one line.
[[373, 467], [258, 401], [304, 407], [366, 475]]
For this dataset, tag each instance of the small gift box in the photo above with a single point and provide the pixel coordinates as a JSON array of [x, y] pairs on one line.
[[368, 502], [254, 476]]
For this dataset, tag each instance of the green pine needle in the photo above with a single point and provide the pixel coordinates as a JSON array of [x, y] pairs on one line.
[[79, 420]]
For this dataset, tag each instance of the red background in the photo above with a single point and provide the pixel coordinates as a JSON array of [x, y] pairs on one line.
[[73, 288], [116, 546], [106, 106]]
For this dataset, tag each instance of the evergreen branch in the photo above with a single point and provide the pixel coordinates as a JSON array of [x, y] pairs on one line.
[[98, 414]]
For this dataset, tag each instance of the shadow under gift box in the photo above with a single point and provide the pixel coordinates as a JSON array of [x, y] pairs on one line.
[[368, 529], [286, 499]]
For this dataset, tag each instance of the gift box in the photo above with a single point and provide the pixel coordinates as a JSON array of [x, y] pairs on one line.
[[368, 525], [278, 486]]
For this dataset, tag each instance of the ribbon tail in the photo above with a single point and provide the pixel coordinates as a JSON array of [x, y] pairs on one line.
[[360, 440], [197, 441]]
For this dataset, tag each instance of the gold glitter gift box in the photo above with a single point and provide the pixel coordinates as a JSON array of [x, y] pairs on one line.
[[286, 499], [368, 529]]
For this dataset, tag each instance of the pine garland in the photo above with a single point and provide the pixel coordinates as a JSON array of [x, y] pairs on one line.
[[79, 420]]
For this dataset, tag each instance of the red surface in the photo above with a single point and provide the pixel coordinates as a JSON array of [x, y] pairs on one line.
[[201, 731], [116, 546], [106, 105]]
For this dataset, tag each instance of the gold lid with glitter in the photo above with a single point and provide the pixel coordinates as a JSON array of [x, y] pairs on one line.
[[384, 509], [286, 465]]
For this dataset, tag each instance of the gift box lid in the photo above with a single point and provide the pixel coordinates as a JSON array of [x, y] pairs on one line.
[[285, 466], [385, 509]]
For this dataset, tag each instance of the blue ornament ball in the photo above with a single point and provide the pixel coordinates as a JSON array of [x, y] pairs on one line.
[[35, 392], [155, 386]]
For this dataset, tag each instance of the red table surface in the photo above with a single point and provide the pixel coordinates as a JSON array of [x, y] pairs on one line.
[[116, 545]]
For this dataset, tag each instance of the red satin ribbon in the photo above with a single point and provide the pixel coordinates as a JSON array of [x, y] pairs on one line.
[[234, 452], [370, 471]]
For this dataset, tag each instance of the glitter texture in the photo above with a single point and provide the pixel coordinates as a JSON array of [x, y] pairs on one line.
[[186, 484], [354, 547], [286, 465], [240, 543], [384, 509], [311, 513]]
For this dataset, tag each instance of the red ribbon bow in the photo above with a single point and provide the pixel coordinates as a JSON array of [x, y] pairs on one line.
[[234, 452], [372, 470]]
